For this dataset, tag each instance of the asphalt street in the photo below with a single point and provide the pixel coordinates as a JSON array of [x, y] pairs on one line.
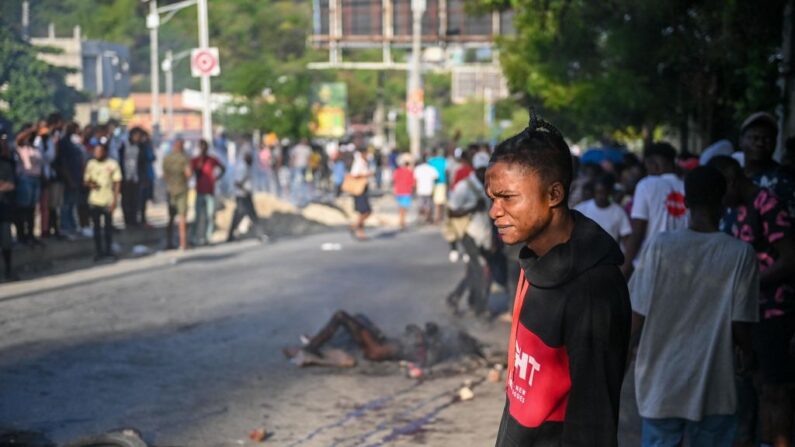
[[186, 347]]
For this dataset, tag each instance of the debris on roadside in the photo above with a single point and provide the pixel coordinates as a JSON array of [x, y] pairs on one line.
[[466, 393], [259, 435], [330, 246], [495, 374]]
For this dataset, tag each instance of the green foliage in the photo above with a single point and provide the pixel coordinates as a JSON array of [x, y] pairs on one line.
[[32, 89], [598, 67]]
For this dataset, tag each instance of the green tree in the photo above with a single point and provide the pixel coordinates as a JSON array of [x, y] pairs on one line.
[[629, 65], [31, 88]]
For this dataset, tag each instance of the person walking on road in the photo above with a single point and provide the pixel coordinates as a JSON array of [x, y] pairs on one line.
[[426, 176], [176, 173], [103, 178], [244, 203], [571, 318], [361, 170], [468, 200], [689, 314], [208, 171], [403, 180]]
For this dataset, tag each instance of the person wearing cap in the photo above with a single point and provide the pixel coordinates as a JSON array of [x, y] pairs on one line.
[[7, 187], [758, 135], [469, 200]]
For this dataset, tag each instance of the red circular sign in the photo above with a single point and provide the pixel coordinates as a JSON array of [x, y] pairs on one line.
[[205, 62]]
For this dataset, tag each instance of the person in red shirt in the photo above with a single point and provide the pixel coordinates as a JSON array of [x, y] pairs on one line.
[[466, 165], [207, 170], [403, 180]]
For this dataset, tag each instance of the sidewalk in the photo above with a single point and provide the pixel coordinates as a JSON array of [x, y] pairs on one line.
[[278, 219]]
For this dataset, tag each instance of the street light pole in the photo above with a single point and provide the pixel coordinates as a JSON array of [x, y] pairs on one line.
[[204, 43], [169, 63], [153, 23], [168, 67], [415, 93]]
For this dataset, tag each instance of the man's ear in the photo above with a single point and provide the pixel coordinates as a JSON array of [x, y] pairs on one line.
[[556, 194]]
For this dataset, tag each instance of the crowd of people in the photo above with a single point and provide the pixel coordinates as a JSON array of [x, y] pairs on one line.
[[56, 171], [705, 244]]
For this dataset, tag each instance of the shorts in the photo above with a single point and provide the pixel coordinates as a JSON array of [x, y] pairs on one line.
[[772, 338], [425, 202], [361, 203], [403, 201], [5, 235], [440, 194], [178, 204]]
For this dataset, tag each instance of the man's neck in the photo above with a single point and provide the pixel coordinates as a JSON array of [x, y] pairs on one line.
[[558, 232], [753, 168], [702, 222]]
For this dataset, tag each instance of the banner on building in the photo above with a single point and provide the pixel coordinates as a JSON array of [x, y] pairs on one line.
[[329, 109]]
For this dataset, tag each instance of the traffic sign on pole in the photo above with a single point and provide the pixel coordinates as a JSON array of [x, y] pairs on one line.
[[204, 62]]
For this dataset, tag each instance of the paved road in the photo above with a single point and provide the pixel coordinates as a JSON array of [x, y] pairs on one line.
[[186, 347]]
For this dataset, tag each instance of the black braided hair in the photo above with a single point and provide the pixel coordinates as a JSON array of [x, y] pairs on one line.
[[541, 148]]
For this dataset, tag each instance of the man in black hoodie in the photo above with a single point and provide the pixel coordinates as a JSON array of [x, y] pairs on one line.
[[571, 317]]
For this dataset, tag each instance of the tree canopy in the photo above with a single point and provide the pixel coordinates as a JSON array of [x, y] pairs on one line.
[[632, 65], [31, 88]]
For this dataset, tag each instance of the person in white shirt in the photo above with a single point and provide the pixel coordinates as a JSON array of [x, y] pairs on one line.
[[244, 204], [611, 217], [695, 296], [658, 204], [361, 169], [425, 176]]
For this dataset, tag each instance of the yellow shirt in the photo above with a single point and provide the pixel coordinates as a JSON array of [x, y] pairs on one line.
[[104, 173]]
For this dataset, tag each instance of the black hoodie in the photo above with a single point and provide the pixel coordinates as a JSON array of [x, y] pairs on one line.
[[571, 344]]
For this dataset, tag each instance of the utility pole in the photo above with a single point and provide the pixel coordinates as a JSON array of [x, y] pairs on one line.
[[204, 43], [415, 102], [25, 20], [168, 65], [153, 23]]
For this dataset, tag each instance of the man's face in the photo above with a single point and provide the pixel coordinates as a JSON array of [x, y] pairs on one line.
[[521, 207], [100, 152], [758, 143], [601, 195]]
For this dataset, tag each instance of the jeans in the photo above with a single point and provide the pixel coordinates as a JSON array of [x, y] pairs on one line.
[[711, 431], [204, 226], [298, 185], [70, 199], [103, 230]]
